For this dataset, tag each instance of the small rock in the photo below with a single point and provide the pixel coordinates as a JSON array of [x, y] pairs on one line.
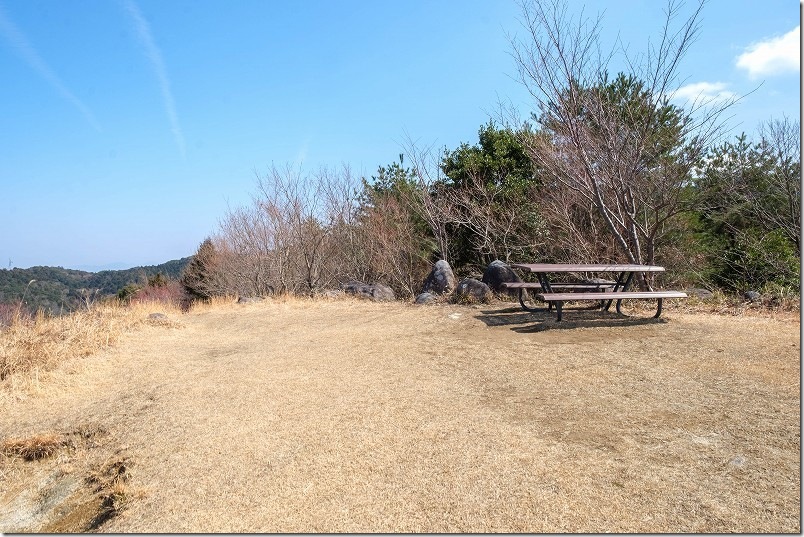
[[738, 461], [598, 281], [700, 293], [498, 273], [158, 316], [426, 298], [376, 292]]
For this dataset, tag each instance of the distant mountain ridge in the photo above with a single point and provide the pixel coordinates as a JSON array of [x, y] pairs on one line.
[[59, 290]]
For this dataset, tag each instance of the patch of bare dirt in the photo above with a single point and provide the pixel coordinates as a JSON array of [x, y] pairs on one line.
[[55, 482], [347, 416]]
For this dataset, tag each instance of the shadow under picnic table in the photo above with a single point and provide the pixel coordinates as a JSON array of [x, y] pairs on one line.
[[540, 321]]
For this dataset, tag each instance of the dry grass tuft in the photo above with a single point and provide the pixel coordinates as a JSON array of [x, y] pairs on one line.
[[29, 346], [34, 448]]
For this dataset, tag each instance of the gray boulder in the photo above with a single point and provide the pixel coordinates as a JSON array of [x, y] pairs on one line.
[[157, 316], [426, 298], [700, 293], [498, 273], [441, 279], [473, 290], [597, 281], [376, 292], [752, 296]]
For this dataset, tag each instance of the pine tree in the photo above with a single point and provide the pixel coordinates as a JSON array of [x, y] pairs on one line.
[[198, 274]]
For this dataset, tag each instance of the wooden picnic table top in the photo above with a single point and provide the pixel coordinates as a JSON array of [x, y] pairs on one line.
[[572, 267]]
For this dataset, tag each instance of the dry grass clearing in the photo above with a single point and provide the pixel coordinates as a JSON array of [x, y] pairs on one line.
[[347, 416]]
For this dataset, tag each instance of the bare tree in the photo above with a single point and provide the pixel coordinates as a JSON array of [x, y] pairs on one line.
[[394, 249], [248, 248], [429, 194], [299, 235], [617, 145], [575, 229]]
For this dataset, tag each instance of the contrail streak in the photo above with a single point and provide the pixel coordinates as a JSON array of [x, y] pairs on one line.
[[155, 57], [20, 43]]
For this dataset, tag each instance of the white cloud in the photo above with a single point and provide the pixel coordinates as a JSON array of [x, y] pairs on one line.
[[158, 64], [704, 93], [773, 56], [20, 43]]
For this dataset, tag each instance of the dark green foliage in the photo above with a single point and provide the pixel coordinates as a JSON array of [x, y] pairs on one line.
[[58, 290], [157, 280], [490, 195], [741, 208], [627, 154], [392, 180], [499, 158], [198, 274], [397, 246], [125, 294]]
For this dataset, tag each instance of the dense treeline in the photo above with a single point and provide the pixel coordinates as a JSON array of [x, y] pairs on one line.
[[736, 226], [58, 290], [604, 169]]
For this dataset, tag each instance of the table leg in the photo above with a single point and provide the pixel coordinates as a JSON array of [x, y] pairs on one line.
[[625, 288], [619, 284], [522, 302], [658, 309], [544, 281], [545, 285]]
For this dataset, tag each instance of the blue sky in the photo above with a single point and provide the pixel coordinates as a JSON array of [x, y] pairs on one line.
[[130, 126]]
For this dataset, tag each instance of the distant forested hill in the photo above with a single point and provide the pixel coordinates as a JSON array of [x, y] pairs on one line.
[[60, 290]]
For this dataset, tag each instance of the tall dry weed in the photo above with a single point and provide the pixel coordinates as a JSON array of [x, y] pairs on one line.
[[40, 343]]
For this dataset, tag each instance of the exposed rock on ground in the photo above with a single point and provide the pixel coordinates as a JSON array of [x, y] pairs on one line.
[[376, 292]]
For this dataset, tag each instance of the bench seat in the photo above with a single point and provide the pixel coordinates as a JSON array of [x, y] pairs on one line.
[[609, 295], [580, 286]]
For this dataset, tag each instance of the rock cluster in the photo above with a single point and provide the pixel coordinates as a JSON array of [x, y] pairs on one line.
[[376, 292], [441, 281]]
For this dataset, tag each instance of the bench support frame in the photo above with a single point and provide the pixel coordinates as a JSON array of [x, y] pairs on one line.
[[560, 304], [559, 298]]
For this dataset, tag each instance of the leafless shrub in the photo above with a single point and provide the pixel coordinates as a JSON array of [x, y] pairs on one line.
[[393, 250], [500, 226], [429, 194]]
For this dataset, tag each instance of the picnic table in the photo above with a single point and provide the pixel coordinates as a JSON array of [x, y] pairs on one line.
[[602, 290]]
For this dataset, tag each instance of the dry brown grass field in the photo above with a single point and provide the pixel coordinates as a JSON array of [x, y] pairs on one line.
[[350, 416]]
